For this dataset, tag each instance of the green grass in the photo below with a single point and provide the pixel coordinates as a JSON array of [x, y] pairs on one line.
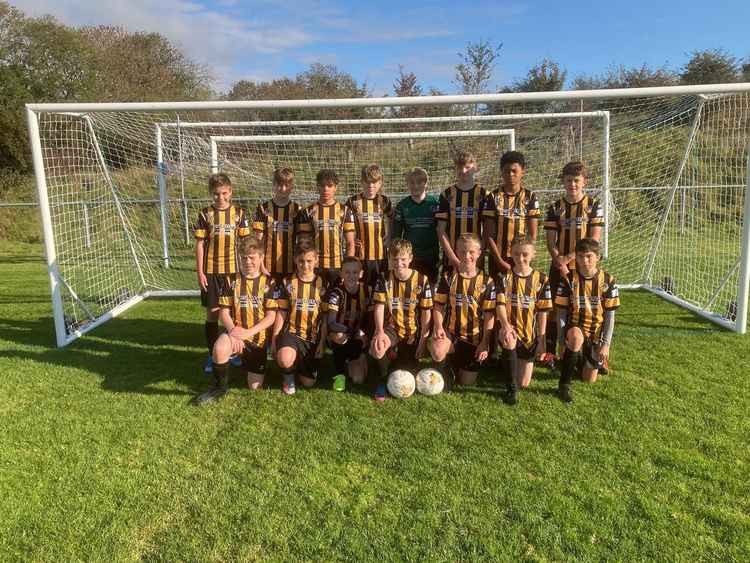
[[102, 458]]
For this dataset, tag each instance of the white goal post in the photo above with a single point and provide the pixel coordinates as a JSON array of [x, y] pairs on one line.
[[671, 166]]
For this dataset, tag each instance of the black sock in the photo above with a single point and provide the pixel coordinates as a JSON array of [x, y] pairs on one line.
[[288, 371], [212, 335], [448, 375], [221, 374], [383, 365], [508, 365], [569, 366]]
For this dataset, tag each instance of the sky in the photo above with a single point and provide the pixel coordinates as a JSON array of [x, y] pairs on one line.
[[267, 39]]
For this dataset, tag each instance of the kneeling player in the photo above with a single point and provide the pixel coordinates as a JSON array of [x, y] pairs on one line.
[[586, 300], [299, 336], [464, 315], [523, 299], [248, 309], [400, 333], [348, 305]]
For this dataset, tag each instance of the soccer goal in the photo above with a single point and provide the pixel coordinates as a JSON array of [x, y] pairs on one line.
[[120, 184]]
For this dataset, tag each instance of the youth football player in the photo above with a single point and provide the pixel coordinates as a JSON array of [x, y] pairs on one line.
[[248, 310], [464, 315], [298, 335], [402, 300], [523, 299], [586, 300], [217, 230]]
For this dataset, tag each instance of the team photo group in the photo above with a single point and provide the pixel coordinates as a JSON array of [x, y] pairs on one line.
[[441, 283]]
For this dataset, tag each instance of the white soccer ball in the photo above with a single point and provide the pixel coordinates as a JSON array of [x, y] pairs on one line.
[[401, 384], [430, 382]]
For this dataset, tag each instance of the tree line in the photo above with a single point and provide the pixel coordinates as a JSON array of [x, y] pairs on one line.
[[43, 60]]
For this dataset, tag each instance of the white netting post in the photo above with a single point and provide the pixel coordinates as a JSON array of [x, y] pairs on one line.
[[743, 283], [163, 197]]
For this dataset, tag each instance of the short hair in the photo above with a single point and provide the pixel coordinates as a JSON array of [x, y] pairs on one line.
[[325, 177], [574, 168], [522, 241], [588, 244], [416, 173], [250, 245], [469, 237], [513, 157], [283, 175], [462, 158], [303, 247], [351, 260], [398, 246], [371, 173], [218, 180]]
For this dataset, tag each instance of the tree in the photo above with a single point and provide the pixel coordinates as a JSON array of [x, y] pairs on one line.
[[622, 77], [712, 66], [474, 72], [746, 71], [546, 76], [406, 84]]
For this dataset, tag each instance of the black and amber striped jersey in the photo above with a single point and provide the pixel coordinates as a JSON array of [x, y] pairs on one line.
[[351, 308], [523, 297], [221, 229], [303, 303], [586, 300], [403, 299], [510, 212], [371, 217], [573, 221], [464, 301], [461, 211], [327, 224], [277, 225], [250, 299]]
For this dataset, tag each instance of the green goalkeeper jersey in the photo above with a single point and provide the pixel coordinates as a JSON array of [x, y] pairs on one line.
[[415, 222]]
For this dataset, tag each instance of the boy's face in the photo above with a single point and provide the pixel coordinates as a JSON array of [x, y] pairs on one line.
[[370, 189], [284, 189], [351, 273], [222, 196], [250, 263], [574, 186], [586, 262], [400, 261], [512, 175], [327, 191], [306, 263], [523, 255], [465, 172], [417, 186], [468, 252]]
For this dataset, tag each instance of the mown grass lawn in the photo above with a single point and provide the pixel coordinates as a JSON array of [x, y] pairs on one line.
[[101, 457]]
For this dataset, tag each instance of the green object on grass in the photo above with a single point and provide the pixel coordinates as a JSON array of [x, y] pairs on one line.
[[339, 382]]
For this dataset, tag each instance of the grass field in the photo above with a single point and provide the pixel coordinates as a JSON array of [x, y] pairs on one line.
[[102, 458]]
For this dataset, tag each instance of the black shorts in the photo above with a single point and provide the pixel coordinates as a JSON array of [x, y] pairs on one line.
[[351, 350], [254, 358], [405, 353], [331, 276], [525, 353], [305, 361], [372, 269], [463, 356], [426, 266], [216, 286]]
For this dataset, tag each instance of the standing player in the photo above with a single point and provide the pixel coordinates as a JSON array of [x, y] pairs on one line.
[[586, 300], [571, 218], [248, 310], [401, 314], [330, 223], [464, 315], [216, 233], [275, 224], [509, 213], [414, 220], [371, 213], [348, 306], [298, 335], [459, 209], [523, 299]]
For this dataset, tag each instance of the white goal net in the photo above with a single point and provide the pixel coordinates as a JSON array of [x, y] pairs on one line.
[[120, 185]]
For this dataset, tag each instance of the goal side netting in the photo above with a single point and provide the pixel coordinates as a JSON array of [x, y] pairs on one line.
[[120, 185]]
